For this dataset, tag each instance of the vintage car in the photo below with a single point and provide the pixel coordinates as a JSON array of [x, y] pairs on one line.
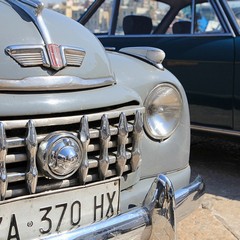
[[201, 42], [94, 144]]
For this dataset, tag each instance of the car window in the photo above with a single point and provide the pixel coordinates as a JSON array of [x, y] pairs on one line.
[[235, 7], [146, 17], [182, 22], [140, 17], [205, 20], [99, 23]]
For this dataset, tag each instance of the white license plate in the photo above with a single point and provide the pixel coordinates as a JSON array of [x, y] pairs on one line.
[[39, 215]]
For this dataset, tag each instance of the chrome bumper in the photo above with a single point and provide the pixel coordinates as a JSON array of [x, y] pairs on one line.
[[156, 219]]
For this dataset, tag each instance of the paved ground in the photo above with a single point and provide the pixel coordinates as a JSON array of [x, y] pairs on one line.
[[218, 161]]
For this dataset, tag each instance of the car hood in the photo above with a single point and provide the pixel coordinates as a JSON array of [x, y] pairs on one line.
[[33, 38]]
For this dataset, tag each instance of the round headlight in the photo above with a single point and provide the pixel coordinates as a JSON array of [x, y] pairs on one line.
[[163, 110]]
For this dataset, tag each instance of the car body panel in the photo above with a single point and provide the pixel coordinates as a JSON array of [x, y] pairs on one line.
[[237, 86]]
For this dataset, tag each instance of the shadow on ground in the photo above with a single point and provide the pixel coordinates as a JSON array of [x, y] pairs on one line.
[[218, 161]]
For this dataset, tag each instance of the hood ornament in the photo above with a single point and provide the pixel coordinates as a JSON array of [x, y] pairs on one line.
[[51, 55], [38, 5]]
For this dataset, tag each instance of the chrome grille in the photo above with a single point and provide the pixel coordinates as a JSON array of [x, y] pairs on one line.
[[110, 142]]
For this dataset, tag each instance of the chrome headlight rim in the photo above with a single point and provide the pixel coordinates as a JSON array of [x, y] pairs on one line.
[[147, 127]]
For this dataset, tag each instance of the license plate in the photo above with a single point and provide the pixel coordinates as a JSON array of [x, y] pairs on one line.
[[42, 214]]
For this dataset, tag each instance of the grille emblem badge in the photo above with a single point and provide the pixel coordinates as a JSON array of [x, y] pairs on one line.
[[60, 155], [51, 55]]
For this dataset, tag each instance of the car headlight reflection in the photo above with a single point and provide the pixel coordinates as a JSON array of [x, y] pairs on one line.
[[163, 111]]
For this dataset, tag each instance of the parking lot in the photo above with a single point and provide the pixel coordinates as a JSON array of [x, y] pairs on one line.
[[218, 161]]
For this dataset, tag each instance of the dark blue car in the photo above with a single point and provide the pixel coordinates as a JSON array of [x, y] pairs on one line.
[[202, 45]]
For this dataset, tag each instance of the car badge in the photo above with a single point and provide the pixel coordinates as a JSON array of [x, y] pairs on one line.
[[55, 57], [51, 55]]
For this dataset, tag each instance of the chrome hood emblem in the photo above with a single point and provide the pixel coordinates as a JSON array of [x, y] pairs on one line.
[[50, 55]]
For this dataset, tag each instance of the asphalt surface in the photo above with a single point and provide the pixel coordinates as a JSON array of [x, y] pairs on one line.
[[218, 161]]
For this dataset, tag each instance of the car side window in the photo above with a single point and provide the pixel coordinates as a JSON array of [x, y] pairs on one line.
[[138, 17], [235, 7], [182, 22], [205, 20]]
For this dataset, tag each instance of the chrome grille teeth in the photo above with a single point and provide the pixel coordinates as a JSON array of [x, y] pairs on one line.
[[31, 142], [104, 149], [3, 170], [122, 140], [137, 134], [104, 135], [84, 136]]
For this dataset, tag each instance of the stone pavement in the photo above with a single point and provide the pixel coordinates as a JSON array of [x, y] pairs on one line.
[[218, 217]]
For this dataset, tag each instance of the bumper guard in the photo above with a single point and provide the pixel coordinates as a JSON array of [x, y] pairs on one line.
[[156, 219]]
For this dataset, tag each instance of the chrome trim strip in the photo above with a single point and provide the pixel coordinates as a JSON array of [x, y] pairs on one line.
[[84, 137], [137, 134], [31, 142], [53, 83], [34, 10], [215, 130], [104, 135], [155, 219], [44, 122], [124, 37], [3, 170], [122, 140]]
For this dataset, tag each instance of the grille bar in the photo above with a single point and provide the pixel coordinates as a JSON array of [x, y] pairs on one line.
[[32, 174], [122, 140], [17, 176], [137, 133], [104, 142], [85, 139], [94, 133], [3, 171], [54, 121]]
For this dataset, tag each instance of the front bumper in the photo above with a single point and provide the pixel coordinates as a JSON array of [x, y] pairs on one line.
[[156, 219]]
